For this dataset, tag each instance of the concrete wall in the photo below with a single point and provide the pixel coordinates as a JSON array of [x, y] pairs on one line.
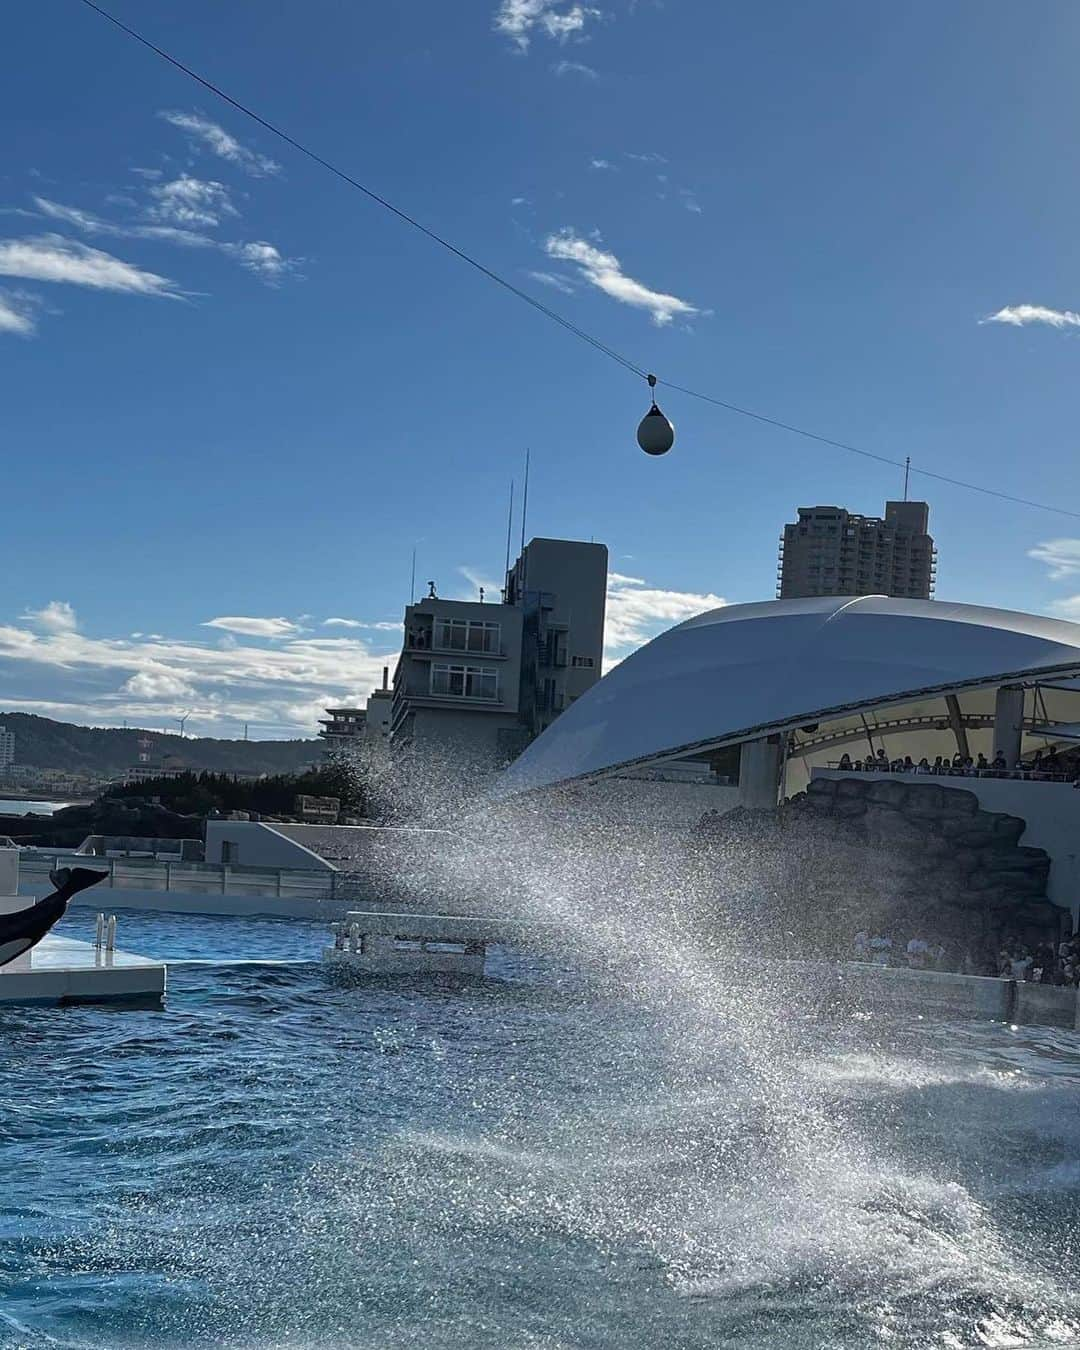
[[933, 992], [9, 871], [1052, 812], [1045, 1005], [260, 845], [398, 868], [462, 732]]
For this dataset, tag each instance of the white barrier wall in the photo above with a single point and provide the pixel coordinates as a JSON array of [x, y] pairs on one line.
[[9, 871], [260, 845], [1051, 810]]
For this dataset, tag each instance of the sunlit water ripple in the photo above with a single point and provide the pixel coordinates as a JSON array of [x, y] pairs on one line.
[[524, 1162]]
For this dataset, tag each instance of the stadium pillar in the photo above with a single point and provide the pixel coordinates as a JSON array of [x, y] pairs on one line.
[[1009, 722], [759, 773]]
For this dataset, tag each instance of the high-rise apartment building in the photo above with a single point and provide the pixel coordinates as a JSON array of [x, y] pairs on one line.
[[831, 551], [7, 748]]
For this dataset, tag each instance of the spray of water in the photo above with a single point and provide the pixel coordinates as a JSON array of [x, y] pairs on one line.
[[745, 1181]]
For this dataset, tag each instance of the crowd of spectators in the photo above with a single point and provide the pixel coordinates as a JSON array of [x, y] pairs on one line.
[[919, 953], [1049, 766], [1044, 963]]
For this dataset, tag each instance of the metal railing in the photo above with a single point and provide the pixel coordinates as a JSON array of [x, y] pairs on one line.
[[1028, 775], [152, 874]]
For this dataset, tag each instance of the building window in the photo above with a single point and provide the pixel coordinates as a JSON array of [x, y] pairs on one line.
[[586, 661], [467, 635], [465, 681]]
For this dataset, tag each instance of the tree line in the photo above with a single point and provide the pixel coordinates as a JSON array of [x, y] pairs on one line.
[[200, 793]]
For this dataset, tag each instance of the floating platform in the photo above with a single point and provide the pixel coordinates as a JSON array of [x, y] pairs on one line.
[[61, 970], [372, 943]]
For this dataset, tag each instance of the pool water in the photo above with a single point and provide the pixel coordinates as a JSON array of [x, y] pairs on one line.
[[535, 1160]]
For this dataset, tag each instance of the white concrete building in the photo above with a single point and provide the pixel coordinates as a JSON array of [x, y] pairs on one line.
[[560, 585], [342, 729], [7, 749], [380, 707], [457, 685], [352, 730], [477, 681]]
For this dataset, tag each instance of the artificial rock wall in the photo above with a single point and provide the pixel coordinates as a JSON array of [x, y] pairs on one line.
[[900, 857]]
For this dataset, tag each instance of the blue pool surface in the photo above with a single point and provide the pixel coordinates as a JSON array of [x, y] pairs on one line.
[[530, 1162]]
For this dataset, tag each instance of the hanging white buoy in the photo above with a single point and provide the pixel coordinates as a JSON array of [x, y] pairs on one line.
[[655, 434]]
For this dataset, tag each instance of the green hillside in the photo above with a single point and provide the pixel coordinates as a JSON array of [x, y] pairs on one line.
[[44, 744]]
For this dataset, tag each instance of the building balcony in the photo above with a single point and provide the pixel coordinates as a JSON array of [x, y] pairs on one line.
[[426, 650]]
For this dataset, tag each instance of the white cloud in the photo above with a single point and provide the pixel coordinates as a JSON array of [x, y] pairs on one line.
[[636, 612], [553, 280], [51, 257], [156, 683], [55, 617], [342, 623], [71, 215], [251, 627], [259, 257], [1062, 557], [690, 201], [218, 141], [562, 68], [254, 627], [477, 580], [1019, 315], [188, 201], [1069, 608], [604, 271], [601, 164], [280, 688], [17, 313], [649, 158], [519, 20]]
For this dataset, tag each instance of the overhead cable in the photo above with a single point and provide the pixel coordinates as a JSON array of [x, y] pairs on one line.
[[538, 305]]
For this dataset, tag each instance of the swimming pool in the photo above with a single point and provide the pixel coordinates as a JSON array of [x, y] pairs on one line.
[[534, 1160]]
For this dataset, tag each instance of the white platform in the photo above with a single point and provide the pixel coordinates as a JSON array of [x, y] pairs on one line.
[[61, 970], [406, 944]]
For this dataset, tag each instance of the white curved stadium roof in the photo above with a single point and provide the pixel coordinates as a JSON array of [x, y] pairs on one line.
[[739, 672]]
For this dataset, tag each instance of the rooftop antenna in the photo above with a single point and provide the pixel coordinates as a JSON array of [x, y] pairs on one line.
[[525, 500], [907, 472], [509, 530]]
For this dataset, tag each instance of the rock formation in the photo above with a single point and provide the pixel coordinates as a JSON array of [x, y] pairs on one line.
[[893, 857]]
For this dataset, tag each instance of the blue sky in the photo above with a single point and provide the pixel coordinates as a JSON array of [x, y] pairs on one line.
[[234, 393]]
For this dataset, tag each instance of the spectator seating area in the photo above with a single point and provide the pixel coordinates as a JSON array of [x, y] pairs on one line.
[[1049, 767]]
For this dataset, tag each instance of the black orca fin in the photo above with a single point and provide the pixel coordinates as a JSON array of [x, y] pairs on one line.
[[70, 880]]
